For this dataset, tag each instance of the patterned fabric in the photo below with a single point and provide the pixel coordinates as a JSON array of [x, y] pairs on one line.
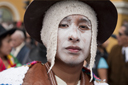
[[87, 71], [13, 62], [31, 63], [2, 66], [16, 77]]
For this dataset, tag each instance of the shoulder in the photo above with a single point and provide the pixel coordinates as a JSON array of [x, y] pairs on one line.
[[95, 80], [25, 48], [116, 47], [102, 63], [13, 76]]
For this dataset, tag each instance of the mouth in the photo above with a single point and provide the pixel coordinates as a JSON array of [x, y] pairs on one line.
[[73, 49]]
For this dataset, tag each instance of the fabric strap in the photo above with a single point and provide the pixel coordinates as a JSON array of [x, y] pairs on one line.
[[53, 80]]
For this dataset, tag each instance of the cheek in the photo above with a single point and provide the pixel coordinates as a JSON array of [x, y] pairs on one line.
[[62, 36], [4, 48], [86, 38], [86, 41]]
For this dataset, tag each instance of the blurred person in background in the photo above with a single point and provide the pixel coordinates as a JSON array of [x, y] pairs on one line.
[[6, 60], [38, 53], [118, 59], [20, 50], [7, 25], [101, 66], [30, 42]]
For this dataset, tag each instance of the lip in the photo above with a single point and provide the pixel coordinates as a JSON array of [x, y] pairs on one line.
[[73, 49]]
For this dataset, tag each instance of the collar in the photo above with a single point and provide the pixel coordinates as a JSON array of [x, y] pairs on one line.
[[20, 46], [125, 51], [61, 82], [17, 49], [56, 80]]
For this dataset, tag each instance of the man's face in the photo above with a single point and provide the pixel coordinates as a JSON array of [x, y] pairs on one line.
[[122, 38], [16, 40], [74, 38]]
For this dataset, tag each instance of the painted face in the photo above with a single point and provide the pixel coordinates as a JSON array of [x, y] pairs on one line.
[[74, 38], [6, 46], [122, 38]]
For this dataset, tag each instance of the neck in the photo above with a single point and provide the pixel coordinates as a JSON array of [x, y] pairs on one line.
[[125, 46], [68, 73], [2, 56]]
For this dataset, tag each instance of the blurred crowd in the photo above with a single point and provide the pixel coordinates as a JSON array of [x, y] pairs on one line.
[[18, 48], [112, 67]]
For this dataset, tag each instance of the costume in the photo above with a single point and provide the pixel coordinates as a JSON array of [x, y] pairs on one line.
[[2, 66], [13, 62], [9, 58], [48, 22], [50, 37], [118, 68], [36, 73]]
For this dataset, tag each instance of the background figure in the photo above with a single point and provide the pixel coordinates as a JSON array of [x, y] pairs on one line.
[[101, 66], [6, 60], [30, 42], [38, 53], [118, 59], [20, 50]]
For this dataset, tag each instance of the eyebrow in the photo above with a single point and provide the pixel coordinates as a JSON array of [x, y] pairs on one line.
[[66, 18], [85, 19]]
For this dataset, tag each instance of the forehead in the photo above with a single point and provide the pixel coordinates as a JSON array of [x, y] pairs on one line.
[[76, 17]]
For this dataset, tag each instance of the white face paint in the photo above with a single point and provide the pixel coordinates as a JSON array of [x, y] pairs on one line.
[[74, 38]]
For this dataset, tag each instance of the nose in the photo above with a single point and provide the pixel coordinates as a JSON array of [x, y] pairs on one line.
[[73, 39]]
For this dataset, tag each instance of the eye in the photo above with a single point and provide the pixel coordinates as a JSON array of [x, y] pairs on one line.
[[8, 40], [63, 25], [83, 27]]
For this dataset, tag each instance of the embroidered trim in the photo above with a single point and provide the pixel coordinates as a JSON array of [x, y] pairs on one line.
[[87, 71], [31, 63], [52, 78]]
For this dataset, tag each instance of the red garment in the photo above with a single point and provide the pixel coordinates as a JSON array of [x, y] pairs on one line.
[[2, 66]]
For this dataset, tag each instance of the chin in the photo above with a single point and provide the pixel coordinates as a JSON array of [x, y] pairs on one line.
[[71, 61]]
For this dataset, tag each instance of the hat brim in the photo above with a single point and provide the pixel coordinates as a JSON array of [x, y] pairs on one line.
[[105, 11], [8, 32]]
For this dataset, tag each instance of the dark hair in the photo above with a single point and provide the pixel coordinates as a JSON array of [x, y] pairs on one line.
[[1, 39], [125, 24]]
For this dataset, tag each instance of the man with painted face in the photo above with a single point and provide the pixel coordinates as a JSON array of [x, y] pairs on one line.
[[69, 32]]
